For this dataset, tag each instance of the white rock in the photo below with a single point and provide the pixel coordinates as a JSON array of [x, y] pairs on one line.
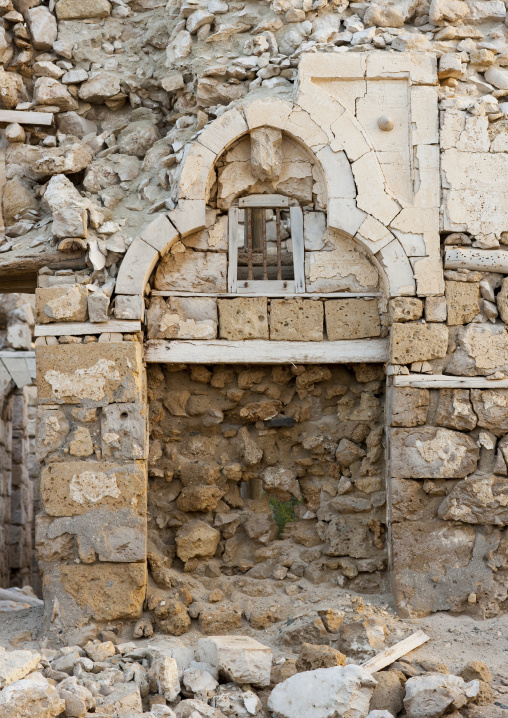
[[15, 665], [42, 25], [98, 651], [325, 693], [163, 675], [67, 207], [172, 648], [200, 682], [239, 658], [78, 699], [447, 10], [31, 698], [498, 77], [429, 696], [380, 714]]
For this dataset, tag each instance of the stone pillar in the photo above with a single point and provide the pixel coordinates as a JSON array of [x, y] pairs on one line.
[[91, 439], [20, 527]]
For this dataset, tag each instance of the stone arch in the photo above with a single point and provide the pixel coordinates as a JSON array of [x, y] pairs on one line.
[[350, 190]]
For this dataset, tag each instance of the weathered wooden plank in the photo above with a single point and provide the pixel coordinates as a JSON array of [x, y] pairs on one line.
[[266, 352], [12, 354], [269, 294], [26, 117], [264, 200], [67, 329], [480, 260], [261, 287], [296, 218], [392, 654], [442, 381]]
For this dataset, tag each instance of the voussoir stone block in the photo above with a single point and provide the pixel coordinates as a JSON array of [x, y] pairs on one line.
[[296, 320], [412, 341], [352, 319], [70, 488], [61, 304], [243, 318], [432, 453], [92, 374], [106, 591]]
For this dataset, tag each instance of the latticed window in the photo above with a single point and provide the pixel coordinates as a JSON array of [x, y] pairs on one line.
[[266, 250]]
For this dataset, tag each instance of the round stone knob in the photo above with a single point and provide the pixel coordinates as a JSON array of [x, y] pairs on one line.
[[385, 123]]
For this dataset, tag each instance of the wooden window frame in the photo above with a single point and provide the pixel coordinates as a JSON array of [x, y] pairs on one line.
[[267, 286]]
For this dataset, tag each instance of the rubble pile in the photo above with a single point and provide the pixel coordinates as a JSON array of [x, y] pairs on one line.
[[227, 676]]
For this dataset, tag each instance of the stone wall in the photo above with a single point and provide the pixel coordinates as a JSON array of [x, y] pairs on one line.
[[274, 473]]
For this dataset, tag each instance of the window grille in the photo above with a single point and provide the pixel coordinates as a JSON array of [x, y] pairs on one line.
[[266, 251]]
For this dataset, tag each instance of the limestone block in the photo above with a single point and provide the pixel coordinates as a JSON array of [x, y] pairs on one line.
[[182, 318], [15, 665], [388, 693], [487, 345], [432, 453], [436, 694], [197, 178], [98, 306], [78, 699], [455, 411], [266, 153], [340, 180], [223, 131], [196, 539], [61, 304], [410, 406], [352, 319], [478, 499], [491, 407], [99, 87], [19, 336], [124, 431], [192, 272], [462, 301], [31, 697], [324, 693], [243, 318], [129, 307], [172, 648], [136, 268], [106, 591], [52, 428], [270, 111], [405, 309], [502, 301], [42, 25], [239, 658], [48, 91], [71, 488], [397, 269], [412, 341], [13, 89], [67, 206], [345, 268], [164, 673], [296, 320], [314, 229], [212, 239], [118, 536], [371, 194], [447, 556], [72, 10], [160, 234], [95, 374], [435, 309]]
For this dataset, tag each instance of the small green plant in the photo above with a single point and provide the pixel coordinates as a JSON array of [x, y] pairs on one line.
[[283, 512]]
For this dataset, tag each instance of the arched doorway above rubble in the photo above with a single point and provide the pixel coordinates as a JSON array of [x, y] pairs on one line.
[[303, 197]]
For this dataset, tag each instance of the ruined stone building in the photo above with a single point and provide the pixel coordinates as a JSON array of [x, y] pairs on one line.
[[267, 246]]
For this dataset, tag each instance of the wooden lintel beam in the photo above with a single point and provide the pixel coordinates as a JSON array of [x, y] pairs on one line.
[[26, 117]]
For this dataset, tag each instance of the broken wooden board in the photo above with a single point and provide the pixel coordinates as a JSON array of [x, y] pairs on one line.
[[392, 654], [26, 117]]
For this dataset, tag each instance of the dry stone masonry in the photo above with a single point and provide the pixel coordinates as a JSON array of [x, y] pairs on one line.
[[267, 242]]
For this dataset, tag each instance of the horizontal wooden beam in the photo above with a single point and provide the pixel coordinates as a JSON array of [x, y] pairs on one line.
[[26, 117], [4, 354], [478, 260], [270, 295], [443, 381], [69, 329], [266, 352]]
